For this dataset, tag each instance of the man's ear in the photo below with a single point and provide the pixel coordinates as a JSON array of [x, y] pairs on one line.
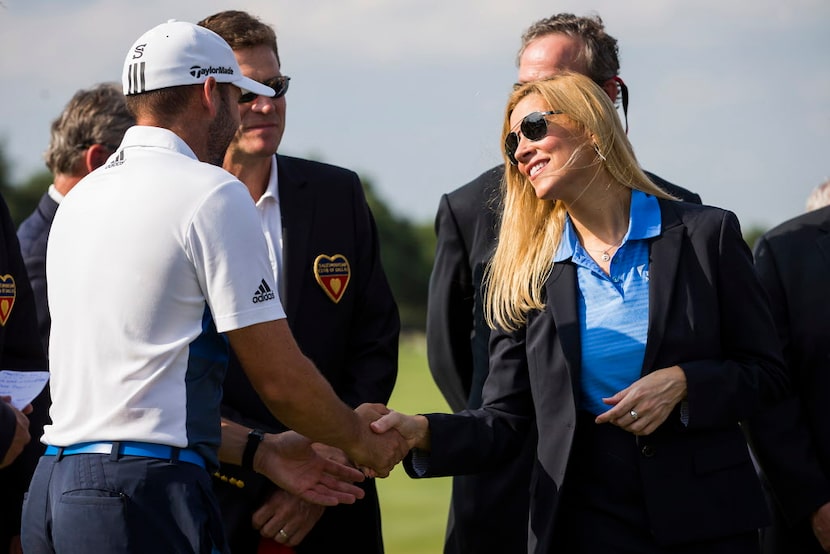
[[612, 89], [209, 96], [96, 155]]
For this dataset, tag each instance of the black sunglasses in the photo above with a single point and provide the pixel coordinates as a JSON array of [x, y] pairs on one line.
[[279, 84], [622, 98], [533, 126]]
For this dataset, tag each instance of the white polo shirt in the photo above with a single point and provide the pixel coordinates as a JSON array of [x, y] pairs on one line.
[[148, 257]]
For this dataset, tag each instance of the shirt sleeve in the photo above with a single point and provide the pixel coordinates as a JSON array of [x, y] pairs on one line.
[[231, 259]]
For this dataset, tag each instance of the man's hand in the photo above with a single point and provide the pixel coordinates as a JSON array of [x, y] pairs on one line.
[[290, 461], [821, 526], [286, 518], [332, 453], [21, 432], [377, 452], [642, 407]]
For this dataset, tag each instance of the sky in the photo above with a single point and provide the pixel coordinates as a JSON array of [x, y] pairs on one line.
[[729, 98]]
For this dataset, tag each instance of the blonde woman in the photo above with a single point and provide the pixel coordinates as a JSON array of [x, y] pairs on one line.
[[631, 332]]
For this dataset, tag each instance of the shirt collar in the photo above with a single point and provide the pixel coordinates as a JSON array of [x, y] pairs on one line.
[[145, 135], [54, 194], [643, 223], [272, 190]]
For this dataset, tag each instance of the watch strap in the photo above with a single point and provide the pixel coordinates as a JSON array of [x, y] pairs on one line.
[[255, 437]]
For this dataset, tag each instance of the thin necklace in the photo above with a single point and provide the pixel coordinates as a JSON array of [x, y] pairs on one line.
[[604, 254]]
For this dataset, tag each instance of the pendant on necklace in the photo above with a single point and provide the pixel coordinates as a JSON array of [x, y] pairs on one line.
[[605, 256]]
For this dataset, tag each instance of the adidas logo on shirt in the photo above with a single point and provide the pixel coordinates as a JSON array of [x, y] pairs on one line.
[[116, 161], [263, 293]]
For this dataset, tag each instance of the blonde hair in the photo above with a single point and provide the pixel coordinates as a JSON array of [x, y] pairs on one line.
[[531, 228]]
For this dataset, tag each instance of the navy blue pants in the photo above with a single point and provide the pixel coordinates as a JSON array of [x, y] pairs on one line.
[[107, 504], [603, 508]]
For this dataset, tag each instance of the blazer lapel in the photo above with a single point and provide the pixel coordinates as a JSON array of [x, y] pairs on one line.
[[297, 209], [664, 255], [561, 290]]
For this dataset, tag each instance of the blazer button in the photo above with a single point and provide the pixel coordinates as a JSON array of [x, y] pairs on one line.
[[648, 451]]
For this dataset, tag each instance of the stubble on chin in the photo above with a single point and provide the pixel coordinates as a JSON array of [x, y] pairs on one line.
[[221, 133]]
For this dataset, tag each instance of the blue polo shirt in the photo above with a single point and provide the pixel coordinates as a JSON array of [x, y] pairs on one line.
[[613, 309]]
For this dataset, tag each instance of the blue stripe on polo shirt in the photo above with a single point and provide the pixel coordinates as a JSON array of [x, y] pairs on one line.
[[613, 309], [207, 364]]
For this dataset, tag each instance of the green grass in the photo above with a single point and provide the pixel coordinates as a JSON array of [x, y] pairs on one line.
[[414, 511]]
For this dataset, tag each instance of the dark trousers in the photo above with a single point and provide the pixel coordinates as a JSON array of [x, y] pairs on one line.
[[603, 508], [97, 503]]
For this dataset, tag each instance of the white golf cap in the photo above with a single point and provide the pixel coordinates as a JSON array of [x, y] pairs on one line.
[[180, 53]]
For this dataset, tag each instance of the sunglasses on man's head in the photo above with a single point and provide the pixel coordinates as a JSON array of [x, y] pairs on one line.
[[279, 84], [533, 127]]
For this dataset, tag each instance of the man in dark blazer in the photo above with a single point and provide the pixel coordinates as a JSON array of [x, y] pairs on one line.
[[87, 131], [697, 477], [792, 441], [457, 334], [20, 349], [337, 300]]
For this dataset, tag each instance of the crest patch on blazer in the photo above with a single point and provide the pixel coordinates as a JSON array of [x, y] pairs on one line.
[[8, 292], [332, 274]]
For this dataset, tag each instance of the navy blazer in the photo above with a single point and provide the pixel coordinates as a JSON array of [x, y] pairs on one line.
[[20, 349], [353, 342], [708, 314], [33, 234], [792, 440], [457, 334]]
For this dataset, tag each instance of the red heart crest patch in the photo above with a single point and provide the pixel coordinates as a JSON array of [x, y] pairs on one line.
[[332, 274], [8, 292]]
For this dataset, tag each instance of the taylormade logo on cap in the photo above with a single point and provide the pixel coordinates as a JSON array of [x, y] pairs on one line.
[[197, 71], [178, 53]]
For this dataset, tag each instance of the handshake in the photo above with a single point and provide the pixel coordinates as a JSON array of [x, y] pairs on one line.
[[326, 475], [395, 435]]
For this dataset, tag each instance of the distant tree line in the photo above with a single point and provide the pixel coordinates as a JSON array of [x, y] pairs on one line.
[[406, 251], [22, 197]]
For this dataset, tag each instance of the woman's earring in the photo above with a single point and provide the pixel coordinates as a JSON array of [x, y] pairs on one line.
[[596, 149]]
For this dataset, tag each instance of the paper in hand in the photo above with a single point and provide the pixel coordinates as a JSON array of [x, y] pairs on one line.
[[22, 386]]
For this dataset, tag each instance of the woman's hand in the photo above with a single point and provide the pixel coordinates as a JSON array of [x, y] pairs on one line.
[[414, 429], [644, 406]]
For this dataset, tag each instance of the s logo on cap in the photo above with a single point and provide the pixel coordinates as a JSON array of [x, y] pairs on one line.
[[138, 51]]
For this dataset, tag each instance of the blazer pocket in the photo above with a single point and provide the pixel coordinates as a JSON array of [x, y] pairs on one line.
[[720, 455]]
